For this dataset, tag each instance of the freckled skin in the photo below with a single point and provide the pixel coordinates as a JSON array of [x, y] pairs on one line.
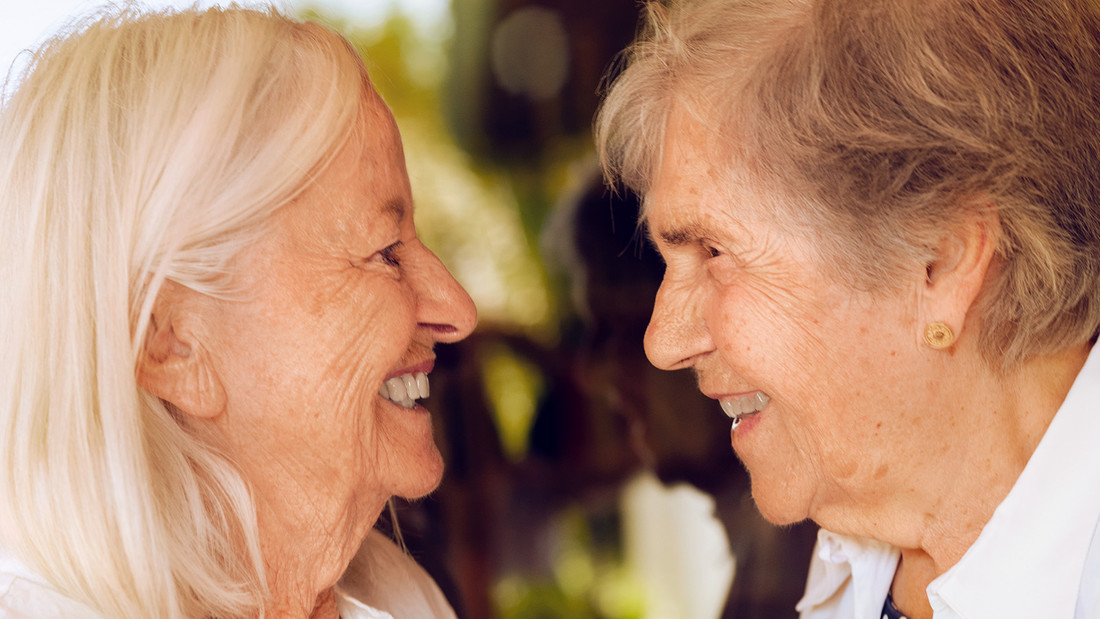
[[868, 431], [325, 318], [744, 303]]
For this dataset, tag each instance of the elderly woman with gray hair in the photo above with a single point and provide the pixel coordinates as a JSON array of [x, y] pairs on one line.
[[881, 225], [218, 322]]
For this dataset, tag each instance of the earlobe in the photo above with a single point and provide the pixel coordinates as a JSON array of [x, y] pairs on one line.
[[956, 277], [173, 365]]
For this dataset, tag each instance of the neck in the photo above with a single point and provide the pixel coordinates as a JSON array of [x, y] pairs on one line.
[[1001, 423], [323, 607], [306, 550]]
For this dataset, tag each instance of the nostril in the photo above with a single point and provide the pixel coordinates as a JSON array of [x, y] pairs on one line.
[[444, 308], [441, 328], [674, 345], [444, 332]]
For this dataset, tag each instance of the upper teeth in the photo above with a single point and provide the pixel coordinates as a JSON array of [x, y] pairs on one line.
[[404, 390], [744, 405]]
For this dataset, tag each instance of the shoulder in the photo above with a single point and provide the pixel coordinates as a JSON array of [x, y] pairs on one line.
[[384, 577]]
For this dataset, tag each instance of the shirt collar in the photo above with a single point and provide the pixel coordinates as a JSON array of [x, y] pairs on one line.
[[351, 608], [1042, 527], [869, 563]]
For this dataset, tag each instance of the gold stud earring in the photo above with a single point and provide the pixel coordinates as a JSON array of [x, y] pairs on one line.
[[939, 335]]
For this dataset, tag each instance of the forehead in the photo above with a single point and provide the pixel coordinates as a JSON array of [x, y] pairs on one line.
[[364, 185], [378, 138], [698, 182]]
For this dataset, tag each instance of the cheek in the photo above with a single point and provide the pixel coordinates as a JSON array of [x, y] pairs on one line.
[[769, 334], [368, 338], [801, 352], [328, 352]]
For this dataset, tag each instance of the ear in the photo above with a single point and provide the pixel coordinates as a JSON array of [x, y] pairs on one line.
[[958, 272], [173, 364]]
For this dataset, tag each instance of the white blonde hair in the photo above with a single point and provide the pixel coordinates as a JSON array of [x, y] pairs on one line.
[[140, 147]]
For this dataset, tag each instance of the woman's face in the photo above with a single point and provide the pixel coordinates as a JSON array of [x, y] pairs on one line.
[[339, 297], [746, 304]]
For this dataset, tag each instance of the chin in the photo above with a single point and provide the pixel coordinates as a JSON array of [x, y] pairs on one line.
[[424, 478], [779, 506]]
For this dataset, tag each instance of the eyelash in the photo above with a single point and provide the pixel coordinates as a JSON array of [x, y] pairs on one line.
[[389, 255]]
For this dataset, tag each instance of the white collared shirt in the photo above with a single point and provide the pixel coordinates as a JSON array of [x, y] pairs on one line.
[[1036, 557], [382, 583]]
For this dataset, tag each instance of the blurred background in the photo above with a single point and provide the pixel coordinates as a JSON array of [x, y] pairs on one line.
[[581, 482]]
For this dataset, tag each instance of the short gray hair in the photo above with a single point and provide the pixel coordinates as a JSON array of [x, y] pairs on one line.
[[888, 119]]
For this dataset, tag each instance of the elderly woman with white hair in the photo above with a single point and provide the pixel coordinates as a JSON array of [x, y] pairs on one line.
[[218, 321], [881, 225]]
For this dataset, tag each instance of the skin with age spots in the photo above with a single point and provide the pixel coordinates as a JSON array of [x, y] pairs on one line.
[[339, 295], [744, 303], [904, 444]]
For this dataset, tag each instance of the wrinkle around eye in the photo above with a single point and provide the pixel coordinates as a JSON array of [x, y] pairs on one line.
[[680, 266], [722, 267], [390, 255], [375, 265]]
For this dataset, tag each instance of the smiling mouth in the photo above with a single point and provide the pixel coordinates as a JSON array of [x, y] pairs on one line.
[[743, 406], [406, 389]]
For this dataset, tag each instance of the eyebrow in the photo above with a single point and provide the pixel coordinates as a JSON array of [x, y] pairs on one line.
[[395, 207], [682, 235]]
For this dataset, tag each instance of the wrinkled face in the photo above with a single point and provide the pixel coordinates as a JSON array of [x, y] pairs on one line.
[[824, 374], [341, 298]]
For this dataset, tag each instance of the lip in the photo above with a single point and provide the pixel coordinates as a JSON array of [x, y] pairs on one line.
[[719, 396], [421, 367], [424, 366], [748, 420]]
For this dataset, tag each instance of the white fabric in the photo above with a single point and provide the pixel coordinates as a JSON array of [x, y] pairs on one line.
[[1036, 557], [25, 595], [1088, 598], [392, 583], [398, 588]]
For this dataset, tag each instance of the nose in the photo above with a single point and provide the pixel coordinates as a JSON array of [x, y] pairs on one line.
[[677, 334], [443, 306]]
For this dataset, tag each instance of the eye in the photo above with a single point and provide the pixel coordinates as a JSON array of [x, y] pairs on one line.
[[711, 250], [389, 255]]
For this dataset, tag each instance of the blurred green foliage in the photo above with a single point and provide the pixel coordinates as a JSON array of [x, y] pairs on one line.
[[484, 220], [513, 386], [588, 581], [469, 213]]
